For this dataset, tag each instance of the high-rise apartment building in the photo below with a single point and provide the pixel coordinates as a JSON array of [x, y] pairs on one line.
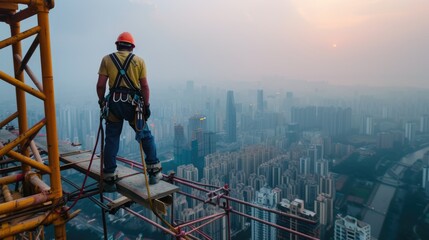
[[424, 123], [188, 172], [389, 140], [327, 185], [335, 121], [231, 118], [311, 190], [296, 208], [306, 117], [314, 153], [349, 228], [324, 208], [410, 131], [332, 121], [322, 167], [268, 198], [217, 229], [304, 165], [368, 125], [425, 180]]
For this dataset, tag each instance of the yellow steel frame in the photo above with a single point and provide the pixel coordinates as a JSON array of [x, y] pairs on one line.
[[11, 14]]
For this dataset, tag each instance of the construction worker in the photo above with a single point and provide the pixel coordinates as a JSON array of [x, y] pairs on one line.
[[128, 99]]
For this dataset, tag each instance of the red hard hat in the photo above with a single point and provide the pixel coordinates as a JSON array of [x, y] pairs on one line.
[[125, 37]]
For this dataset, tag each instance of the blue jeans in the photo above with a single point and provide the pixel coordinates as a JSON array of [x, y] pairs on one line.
[[125, 111]]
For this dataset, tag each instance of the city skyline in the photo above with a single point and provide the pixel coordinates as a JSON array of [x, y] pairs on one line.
[[374, 43], [312, 115]]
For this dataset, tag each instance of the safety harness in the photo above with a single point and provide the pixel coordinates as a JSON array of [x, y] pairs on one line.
[[122, 72], [131, 93]]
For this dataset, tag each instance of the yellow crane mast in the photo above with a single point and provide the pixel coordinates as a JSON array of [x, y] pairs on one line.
[[34, 203]]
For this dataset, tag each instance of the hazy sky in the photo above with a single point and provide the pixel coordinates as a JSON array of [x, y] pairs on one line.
[[374, 42]]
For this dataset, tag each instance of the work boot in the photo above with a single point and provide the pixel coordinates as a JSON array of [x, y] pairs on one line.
[[154, 172], [109, 182]]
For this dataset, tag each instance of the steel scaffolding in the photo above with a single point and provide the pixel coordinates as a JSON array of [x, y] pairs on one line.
[[38, 203]]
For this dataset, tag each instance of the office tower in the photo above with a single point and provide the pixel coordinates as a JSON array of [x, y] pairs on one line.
[[260, 101], [195, 123], [265, 197], [209, 143], [424, 123], [296, 208], [349, 228], [425, 180], [197, 126], [179, 144], [231, 118], [410, 131]]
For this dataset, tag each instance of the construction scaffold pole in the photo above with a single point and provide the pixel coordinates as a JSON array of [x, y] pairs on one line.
[[38, 203]]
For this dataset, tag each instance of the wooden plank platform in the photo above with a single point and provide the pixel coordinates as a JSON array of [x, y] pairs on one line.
[[131, 183]]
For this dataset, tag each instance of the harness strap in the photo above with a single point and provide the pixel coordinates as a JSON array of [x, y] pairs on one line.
[[122, 71]]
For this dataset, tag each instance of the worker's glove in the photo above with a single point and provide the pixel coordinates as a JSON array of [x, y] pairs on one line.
[[101, 103], [146, 112]]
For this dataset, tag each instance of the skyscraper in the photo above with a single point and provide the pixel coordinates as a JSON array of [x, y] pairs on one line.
[[425, 180], [368, 125], [349, 228], [209, 143], [410, 131], [179, 144], [296, 208], [324, 208], [260, 101], [424, 123], [268, 198], [231, 118], [196, 122]]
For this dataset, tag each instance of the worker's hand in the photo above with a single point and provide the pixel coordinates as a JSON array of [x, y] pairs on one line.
[[146, 112]]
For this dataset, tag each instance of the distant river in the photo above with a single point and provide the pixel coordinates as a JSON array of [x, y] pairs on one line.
[[413, 157], [380, 203]]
